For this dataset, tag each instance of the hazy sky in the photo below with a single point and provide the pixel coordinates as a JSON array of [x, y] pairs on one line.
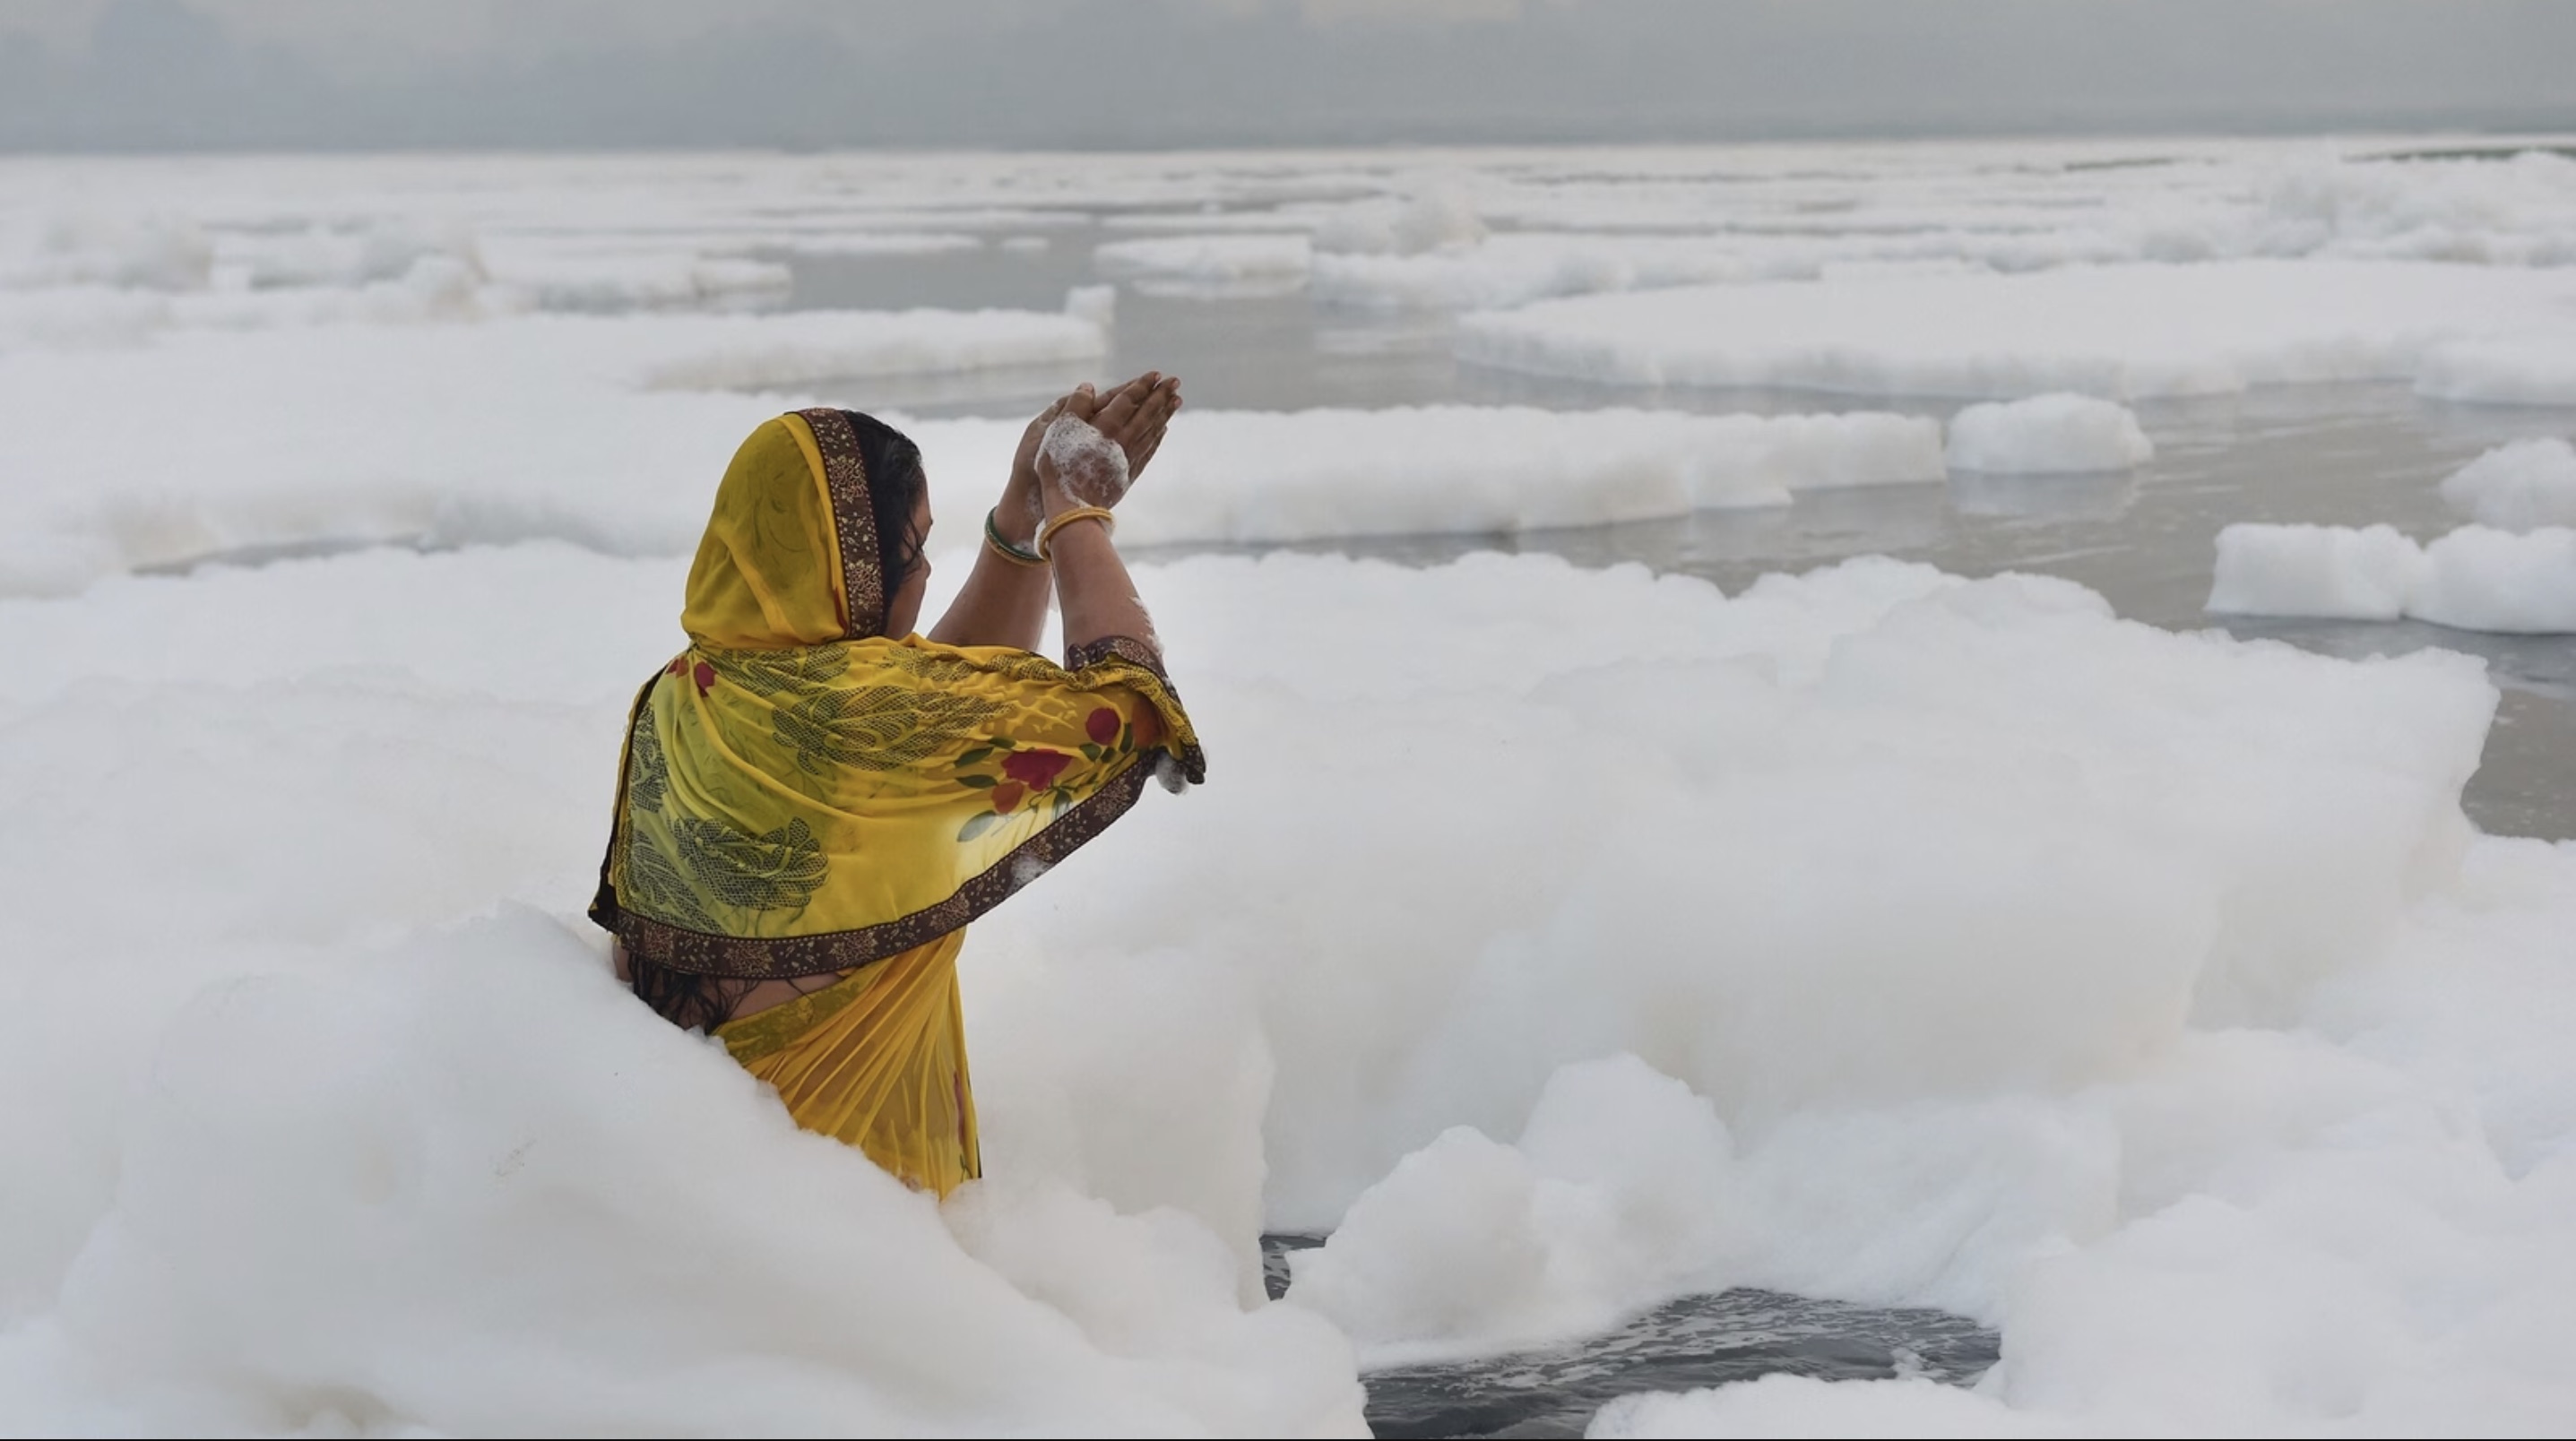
[[157, 74]]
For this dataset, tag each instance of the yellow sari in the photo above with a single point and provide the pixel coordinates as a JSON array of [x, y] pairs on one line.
[[801, 796]]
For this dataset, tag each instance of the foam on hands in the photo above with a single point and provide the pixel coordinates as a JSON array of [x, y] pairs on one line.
[[1091, 467]]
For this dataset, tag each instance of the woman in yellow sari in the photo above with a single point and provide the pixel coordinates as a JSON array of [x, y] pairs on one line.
[[814, 801]]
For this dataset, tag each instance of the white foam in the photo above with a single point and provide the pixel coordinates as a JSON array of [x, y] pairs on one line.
[[1090, 465], [2143, 994], [2122, 988], [785, 352], [2119, 332], [2047, 434], [527, 427], [387, 433], [1616, 1189], [2329, 571], [1265, 476], [1438, 212], [2519, 486], [2474, 578], [2511, 369], [1095, 303], [1208, 264]]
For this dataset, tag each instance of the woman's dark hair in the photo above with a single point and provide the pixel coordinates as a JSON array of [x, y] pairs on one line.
[[895, 484]]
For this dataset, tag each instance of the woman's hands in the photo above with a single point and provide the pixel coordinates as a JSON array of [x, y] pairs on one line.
[[1133, 416], [1136, 414]]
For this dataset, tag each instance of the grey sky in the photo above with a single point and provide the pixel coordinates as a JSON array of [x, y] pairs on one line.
[[164, 74]]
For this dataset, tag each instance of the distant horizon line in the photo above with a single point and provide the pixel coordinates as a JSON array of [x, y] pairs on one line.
[[2501, 137]]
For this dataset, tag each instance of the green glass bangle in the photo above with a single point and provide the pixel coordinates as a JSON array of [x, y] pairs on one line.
[[1008, 551]]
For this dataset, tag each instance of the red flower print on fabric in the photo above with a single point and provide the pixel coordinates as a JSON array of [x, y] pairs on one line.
[[705, 675], [1006, 797], [1149, 727], [1102, 726], [1035, 769]]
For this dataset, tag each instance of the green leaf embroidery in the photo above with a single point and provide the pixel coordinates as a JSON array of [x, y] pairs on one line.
[[648, 774], [778, 870], [767, 672], [981, 783], [975, 756], [977, 824], [879, 728], [656, 887]]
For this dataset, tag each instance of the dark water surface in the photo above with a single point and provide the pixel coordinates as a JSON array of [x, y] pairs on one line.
[[2352, 455], [1682, 1345]]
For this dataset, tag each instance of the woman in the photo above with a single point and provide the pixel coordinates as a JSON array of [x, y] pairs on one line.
[[813, 801]]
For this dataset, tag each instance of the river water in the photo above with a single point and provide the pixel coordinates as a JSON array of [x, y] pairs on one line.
[[2350, 454]]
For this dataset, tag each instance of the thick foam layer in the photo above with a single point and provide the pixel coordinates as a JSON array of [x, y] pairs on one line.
[[270, 440], [2047, 434], [1970, 944], [1209, 265], [2524, 485], [2116, 331], [2474, 578]]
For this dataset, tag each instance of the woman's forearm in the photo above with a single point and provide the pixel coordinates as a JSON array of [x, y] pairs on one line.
[[1093, 589], [1003, 603]]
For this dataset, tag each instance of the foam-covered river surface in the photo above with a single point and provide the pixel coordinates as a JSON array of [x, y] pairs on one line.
[[2337, 454], [2326, 454]]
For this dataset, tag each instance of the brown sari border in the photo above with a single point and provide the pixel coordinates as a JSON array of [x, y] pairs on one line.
[[1188, 765], [1124, 647], [854, 520], [785, 957]]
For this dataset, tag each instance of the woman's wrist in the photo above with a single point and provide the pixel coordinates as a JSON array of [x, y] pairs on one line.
[[1056, 501], [1016, 518], [1093, 518]]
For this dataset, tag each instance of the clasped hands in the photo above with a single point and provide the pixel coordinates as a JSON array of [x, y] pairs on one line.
[[1132, 417]]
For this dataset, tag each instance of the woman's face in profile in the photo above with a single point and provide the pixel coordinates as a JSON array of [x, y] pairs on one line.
[[903, 608]]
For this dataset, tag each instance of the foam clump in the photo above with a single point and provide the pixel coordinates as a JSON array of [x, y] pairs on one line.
[[785, 352], [1614, 1190], [257, 431], [519, 1202], [1310, 474], [1437, 215], [2047, 434], [1968, 947], [1090, 466], [2333, 571], [1788, 1405], [2474, 578], [139, 252], [2522, 368], [1095, 303], [270, 437], [647, 281], [1207, 264], [1516, 268], [2522, 486], [2117, 331]]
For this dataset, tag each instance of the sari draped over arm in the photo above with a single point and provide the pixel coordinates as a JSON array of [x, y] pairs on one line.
[[802, 797]]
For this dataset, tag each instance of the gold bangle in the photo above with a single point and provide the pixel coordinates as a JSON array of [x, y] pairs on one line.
[[999, 545], [1046, 532]]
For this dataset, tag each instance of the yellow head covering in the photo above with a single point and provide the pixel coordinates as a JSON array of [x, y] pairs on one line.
[[800, 794], [784, 553]]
